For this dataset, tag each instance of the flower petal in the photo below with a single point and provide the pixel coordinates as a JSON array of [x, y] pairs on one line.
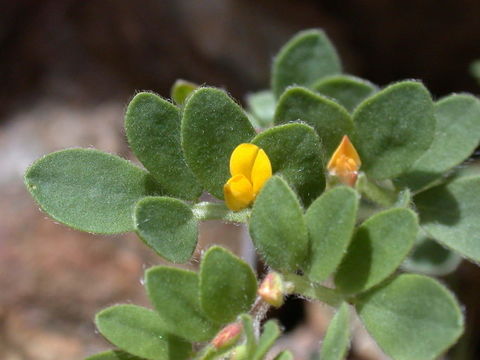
[[345, 156], [238, 192], [242, 160], [261, 171]]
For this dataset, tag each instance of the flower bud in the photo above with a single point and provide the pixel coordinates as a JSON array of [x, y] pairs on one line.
[[227, 336], [345, 162], [271, 289]]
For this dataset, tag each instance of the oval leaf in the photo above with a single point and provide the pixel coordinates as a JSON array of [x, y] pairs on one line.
[[284, 355], [181, 90], [337, 339], [449, 213], [330, 222], [412, 317], [212, 126], [89, 190], [393, 128], [307, 57], [348, 91], [457, 134], [113, 355], [168, 226], [270, 333], [378, 248], [330, 120], [278, 228], [140, 332], [175, 295], [262, 106], [228, 285], [430, 258], [152, 125], [295, 153]]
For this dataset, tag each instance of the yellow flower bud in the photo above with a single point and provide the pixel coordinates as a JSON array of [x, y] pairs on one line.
[[250, 168], [345, 162], [271, 289]]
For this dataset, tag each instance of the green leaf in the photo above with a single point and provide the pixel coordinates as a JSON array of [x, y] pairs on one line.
[[330, 222], [330, 120], [337, 339], [313, 290], [284, 355], [380, 194], [449, 213], [262, 106], [140, 332], [295, 153], [89, 190], [181, 90], [250, 339], [270, 333], [393, 129], [307, 57], [210, 352], [168, 226], [175, 295], [412, 317], [278, 228], [430, 258], [348, 90], [152, 125], [378, 248], [113, 355], [475, 69], [212, 126], [457, 134], [228, 285]]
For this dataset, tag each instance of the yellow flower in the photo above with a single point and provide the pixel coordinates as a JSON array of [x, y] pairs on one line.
[[345, 162], [250, 168]]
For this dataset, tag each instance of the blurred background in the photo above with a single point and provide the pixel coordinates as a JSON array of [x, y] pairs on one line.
[[69, 67]]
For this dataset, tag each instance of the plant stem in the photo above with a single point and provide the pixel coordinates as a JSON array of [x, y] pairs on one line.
[[315, 291], [218, 211], [258, 313], [376, 193]]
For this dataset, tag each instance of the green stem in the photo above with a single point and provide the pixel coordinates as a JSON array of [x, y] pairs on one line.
[[305, 287], [376, 193], [218, 211]]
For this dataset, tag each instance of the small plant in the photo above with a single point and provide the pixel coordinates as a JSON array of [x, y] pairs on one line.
[[334, 177]]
